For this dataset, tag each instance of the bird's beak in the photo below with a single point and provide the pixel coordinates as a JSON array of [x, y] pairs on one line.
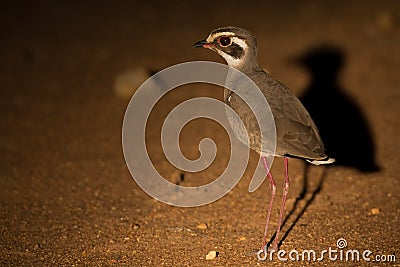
[[202, 43]]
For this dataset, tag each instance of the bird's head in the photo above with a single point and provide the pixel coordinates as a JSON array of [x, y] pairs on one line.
[[236, 45]]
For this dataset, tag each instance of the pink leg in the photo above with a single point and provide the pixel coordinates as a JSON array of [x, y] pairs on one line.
[[285, 192], [272, 186]]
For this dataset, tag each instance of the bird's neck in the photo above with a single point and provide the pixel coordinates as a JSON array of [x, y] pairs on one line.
[[248, 67]]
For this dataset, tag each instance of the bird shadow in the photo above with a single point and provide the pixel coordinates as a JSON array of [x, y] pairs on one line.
[[342, 125]]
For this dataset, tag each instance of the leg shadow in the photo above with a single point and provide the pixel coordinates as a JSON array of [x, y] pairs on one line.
[[302, 196]]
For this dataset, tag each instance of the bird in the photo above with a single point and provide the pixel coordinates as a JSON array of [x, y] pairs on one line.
[[296, 133]]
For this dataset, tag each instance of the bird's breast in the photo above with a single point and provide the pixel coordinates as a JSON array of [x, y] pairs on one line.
[[244, 125]]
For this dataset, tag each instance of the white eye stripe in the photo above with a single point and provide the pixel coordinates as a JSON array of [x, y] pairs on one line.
[[219, 34], [240, 42]]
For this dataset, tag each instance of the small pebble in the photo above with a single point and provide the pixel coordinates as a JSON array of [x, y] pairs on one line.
[[136, 226], [202, 226], [242, 238], [211, 255], [375, 211]]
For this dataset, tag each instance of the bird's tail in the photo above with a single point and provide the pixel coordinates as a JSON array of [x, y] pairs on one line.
[[321, 161]]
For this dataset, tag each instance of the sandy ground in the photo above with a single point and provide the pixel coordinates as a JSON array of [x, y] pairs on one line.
[[67, 198]]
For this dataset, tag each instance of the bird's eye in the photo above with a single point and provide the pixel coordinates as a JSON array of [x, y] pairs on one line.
[[224, 41]]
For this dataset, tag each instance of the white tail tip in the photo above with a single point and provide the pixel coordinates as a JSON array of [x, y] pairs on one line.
[[321, 162]]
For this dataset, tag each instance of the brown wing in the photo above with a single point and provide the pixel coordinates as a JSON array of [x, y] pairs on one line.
[[296, 132]]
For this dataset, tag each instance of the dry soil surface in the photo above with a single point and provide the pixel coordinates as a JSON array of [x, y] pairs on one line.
[[67, 197]]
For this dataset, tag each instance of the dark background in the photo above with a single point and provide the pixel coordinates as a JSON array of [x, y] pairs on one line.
[[66, 195]]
